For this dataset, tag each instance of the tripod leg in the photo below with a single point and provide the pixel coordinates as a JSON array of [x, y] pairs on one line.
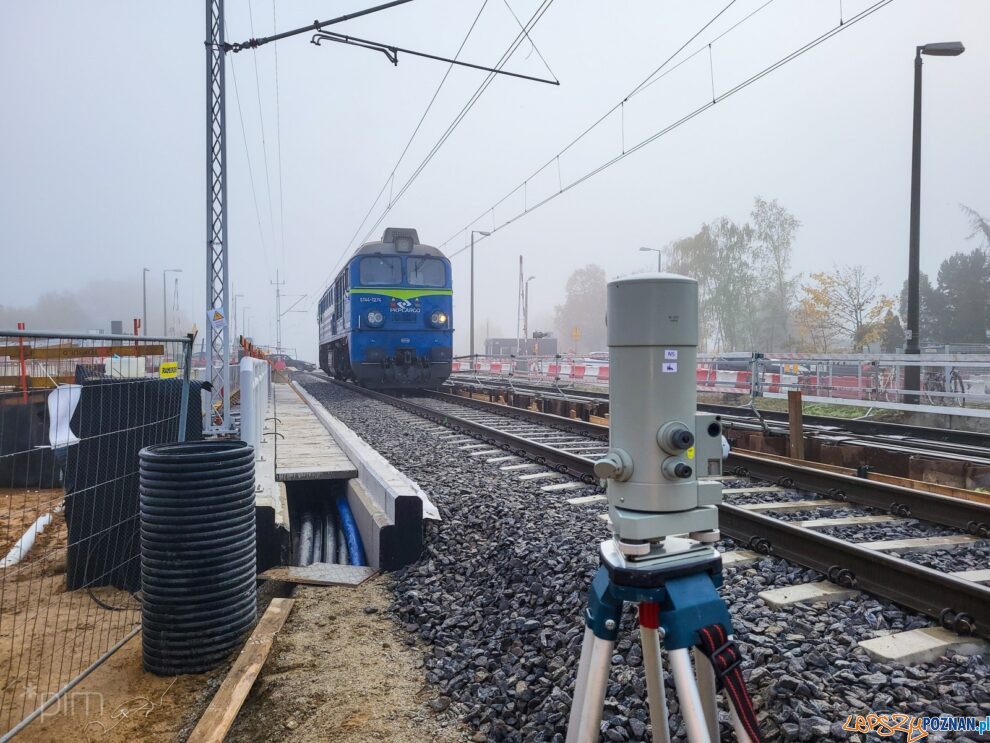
[[655, 694], [581, 682], [706, 689], [586, 711], [692, 710]]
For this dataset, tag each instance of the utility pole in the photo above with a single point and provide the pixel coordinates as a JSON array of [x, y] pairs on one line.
[[526, 309], [278, 312], [144, 299], [519, 300], [216, 219]]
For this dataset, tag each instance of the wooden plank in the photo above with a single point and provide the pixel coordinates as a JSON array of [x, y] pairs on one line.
[[82, 352], [795, 423], [219, 716], [36, 383]]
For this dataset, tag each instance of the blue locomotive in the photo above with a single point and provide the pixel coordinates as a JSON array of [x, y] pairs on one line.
[[385, 321]]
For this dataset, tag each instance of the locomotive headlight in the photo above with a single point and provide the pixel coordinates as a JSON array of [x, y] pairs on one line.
[[438, 319], [375, 318]]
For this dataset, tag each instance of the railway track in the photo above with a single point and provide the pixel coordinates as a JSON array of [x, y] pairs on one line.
[[967, 446], [570, 447]]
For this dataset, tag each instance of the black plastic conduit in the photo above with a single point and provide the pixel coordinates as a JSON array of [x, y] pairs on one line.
[[197, 553]]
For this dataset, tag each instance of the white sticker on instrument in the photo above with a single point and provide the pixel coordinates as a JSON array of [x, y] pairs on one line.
[[669, 367], [670, 354]]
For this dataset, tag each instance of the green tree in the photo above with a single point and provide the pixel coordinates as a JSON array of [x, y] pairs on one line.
[[893, 334], [964, 286], [584, 309], [773, 233], [931, 312]]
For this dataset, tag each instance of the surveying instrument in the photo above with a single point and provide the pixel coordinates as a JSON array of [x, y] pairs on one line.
[[664, 518]]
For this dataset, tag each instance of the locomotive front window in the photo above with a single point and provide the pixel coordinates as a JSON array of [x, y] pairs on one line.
[[381, 270], [426, 272]]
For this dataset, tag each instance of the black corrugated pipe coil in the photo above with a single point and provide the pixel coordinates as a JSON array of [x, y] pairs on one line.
[[198, 549]]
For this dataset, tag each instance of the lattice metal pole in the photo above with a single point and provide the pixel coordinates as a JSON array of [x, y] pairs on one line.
[[216, 218]]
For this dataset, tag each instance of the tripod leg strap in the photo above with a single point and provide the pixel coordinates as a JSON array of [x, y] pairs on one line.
[[725, 658]]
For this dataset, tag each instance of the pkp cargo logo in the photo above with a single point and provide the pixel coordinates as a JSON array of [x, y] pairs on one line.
[[404, 305]]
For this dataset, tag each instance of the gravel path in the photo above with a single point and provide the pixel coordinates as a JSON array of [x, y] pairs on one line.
[[499, 591]]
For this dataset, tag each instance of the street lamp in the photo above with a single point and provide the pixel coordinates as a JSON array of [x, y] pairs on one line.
[[144, 299], [912, 374], [165, 300], [654, 250], [473, 233], [526, 308]]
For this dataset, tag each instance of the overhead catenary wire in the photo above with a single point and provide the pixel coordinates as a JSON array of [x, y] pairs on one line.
[[278, 142], [264, 144], [534, 19], [419, 124], [247, 157], [523, 34], [847, 23]]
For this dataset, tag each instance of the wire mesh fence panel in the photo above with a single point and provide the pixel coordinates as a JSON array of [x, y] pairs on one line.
[[75, 410]]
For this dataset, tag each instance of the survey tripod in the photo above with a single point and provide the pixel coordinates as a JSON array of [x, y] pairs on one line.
[[679, 605]]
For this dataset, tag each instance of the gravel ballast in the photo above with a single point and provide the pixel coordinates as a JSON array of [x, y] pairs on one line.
[[500, 589]]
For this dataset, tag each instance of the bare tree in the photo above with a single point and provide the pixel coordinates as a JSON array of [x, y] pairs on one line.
[[850, 301], [580, 320], [773, 232]]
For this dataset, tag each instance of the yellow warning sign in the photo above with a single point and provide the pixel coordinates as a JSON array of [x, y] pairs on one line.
[[168, 370]]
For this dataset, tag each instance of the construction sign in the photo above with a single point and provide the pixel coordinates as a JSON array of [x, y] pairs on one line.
[[168, 370], [217, 318]]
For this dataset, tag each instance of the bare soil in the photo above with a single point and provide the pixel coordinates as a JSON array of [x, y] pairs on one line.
[[340, 670]]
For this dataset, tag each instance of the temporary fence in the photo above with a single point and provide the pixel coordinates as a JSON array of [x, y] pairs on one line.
[[75, 410], [956, 384]]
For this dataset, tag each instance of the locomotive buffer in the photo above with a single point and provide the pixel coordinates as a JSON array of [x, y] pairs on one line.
[[657, 443]]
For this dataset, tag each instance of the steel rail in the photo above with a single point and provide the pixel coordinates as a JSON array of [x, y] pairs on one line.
[[960, 605], [970, 516], [558, 460], [921, 435], [571, 425]]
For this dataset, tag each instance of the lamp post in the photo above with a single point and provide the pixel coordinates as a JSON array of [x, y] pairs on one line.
[[165, 299], [234, 318], [144, 299], [473, 233], [912, 374], [654, 250], [526, 308]]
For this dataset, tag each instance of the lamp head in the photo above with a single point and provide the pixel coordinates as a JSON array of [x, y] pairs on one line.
[[943, 49]]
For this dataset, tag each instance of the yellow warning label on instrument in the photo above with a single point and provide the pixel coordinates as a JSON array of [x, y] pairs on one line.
[[690, 453], [170, 370]]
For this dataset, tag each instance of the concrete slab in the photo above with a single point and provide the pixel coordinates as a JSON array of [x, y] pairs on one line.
[[565, 486], [738, 558], [790, 505], [496, 460], [754, 489], [586, 499], [924, 645], [513, 467], [847, 521], [474, 446], [539, 475], [977, 576], [484, 453], [307, 451], [921, 544], [806, 593]]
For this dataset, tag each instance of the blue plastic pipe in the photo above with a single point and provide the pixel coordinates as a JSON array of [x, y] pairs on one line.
[[355, 550]]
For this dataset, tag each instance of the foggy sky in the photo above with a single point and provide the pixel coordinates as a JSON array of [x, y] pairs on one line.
[[103, 136]]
